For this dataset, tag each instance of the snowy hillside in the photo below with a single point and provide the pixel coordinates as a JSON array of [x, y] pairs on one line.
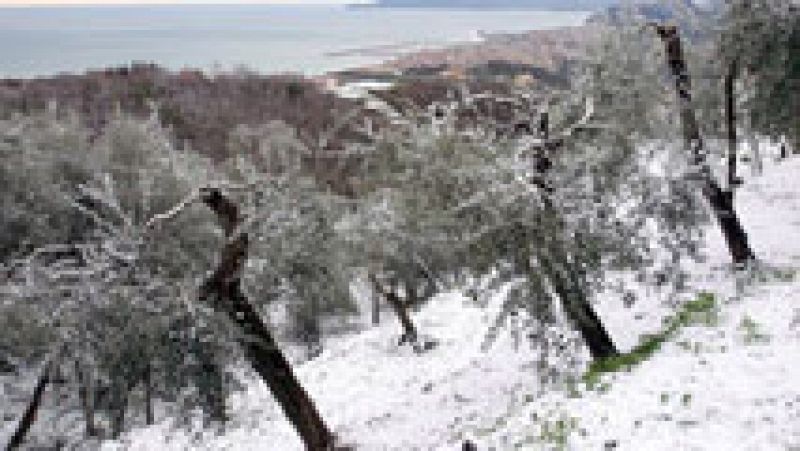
[[728, 385]]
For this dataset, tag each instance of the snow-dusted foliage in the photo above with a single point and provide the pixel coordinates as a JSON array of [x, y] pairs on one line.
[[114, 303], [727, 384], [762, 38], [515, 257], [298, 260]]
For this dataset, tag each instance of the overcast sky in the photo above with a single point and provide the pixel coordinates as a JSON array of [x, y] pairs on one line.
[[177, 2]]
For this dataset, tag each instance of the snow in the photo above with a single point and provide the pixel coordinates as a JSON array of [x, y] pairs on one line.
[[721, 386]]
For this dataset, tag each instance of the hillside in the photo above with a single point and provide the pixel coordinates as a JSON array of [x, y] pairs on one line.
[[727, 383]]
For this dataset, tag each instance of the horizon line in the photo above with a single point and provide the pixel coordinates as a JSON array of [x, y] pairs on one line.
[[135, 3]]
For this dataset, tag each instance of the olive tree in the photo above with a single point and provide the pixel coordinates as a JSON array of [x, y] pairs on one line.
[[110, 298]]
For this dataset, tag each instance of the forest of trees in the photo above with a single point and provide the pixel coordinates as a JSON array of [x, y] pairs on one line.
[[147, 232]]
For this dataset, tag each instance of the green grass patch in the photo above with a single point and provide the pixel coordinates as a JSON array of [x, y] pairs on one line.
[[699, 311]]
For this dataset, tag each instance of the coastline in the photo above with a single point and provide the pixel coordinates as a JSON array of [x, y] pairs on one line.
[[543, 54], [261, 39]]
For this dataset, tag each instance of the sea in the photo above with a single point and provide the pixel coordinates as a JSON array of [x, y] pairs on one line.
[[309, 40]]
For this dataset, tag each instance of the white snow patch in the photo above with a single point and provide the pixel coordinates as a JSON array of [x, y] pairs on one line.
[[724, 386]]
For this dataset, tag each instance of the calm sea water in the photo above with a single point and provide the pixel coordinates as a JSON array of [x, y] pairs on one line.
[[307, 39]]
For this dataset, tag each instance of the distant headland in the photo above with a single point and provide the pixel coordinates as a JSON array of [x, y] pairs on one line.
[[549, 5]]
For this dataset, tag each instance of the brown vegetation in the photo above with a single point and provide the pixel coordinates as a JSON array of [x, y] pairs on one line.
[[201, 109]]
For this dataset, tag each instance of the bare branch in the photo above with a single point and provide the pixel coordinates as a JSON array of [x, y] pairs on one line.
[[173, 212]]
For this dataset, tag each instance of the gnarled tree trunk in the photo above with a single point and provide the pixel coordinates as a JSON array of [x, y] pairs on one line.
[[557, 269], [578, 308], [223, 289], [721, 203]]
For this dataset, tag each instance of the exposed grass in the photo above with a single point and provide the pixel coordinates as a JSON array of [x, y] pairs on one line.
[[699, 311]]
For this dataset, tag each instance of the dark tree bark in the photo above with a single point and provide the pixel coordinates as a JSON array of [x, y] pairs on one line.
[[730, 119], [209, 377], [563, 274], [85, 397], [149, 416], [223, 290], [544, 126], [400, 309], [721, 203], [307, 322], [412, 295], [119, 405], [376, 309], [578, 308], [564, 277], [29, 416]]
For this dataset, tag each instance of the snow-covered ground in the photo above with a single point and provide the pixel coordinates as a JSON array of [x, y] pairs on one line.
[[732, 385]]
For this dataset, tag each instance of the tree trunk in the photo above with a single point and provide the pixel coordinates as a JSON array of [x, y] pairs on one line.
[[149, 417], [582, 315], [412, 293], [562, 275], [721, 204], [308, 320], [730, 119], [376, 308], [223, 289], [119, 404], [783, 154], [400, 309], [544, 126], [86, 398], [209, 379], [563, 278], [29, 416]]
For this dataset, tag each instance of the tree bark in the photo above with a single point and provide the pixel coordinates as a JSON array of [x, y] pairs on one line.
[[209, 379], [730, 119], [223, 289], [563, 275], [721, 204], [544, 126], [119, 405], [86, 398], [579, 309], [376, 309], [149, 416]]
